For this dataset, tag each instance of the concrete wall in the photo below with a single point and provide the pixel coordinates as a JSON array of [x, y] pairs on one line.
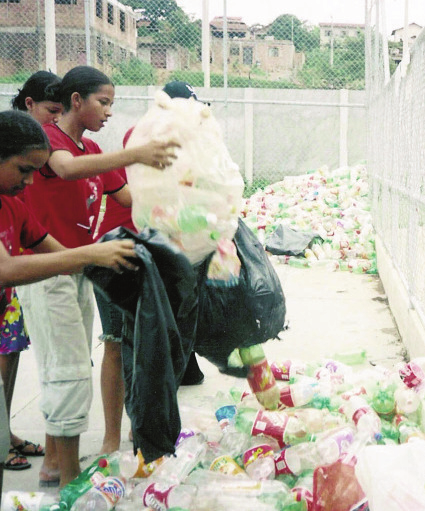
[[288, 139]]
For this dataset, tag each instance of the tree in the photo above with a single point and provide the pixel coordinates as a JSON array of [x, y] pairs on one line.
[[289, 27]]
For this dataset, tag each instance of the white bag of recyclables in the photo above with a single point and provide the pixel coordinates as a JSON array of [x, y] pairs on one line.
[[196, 201], [393, 476]]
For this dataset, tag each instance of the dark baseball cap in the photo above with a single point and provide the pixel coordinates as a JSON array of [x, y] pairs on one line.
[[177, 89]]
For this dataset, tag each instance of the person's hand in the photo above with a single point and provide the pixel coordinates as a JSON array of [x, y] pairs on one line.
[[157, 154], [113, 254]]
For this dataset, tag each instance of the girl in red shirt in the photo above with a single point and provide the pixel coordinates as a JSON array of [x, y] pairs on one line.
[[24, 148], [66, 198], [35, 99]]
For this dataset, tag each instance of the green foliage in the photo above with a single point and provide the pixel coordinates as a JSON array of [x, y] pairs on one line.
[[257, 184], [346, 71], [19, 77], [134, 72], [289, 27], [196, 79]]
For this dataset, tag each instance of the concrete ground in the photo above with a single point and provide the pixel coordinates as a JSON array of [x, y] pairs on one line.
[[327, 312]]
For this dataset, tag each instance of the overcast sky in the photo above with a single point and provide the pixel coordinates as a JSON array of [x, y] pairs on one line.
[[315, 11]]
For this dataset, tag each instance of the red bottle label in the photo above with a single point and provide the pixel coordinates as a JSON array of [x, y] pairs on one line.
[[412, 375], [272, 424], [256, 452], [281, 371], [281, 463], [302, 494], [156, 495], [260, 377]]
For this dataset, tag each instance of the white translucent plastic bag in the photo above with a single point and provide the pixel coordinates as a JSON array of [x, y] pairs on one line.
[[196, 201], [393, 476]]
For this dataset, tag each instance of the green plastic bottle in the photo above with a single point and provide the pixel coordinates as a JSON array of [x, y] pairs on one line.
[[260, 377]]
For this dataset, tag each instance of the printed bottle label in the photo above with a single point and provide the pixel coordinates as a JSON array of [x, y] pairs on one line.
[[226, 465], [260, 377], [272, 424], [257, 452], [112, 489], [224, 415], [281, 463], [156, 496], [411, 374]]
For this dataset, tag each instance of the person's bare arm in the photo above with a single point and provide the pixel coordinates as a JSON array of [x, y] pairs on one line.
[[52, 259], [123, 197], [155, 154]]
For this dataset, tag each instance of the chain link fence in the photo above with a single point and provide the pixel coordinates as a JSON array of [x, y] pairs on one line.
[[274, 88], [396, 150]]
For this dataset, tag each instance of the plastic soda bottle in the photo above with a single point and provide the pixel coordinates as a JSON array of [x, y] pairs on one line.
[[160, 495], [258, 459], [303, 490], [88, 478], [296, 459], [408, 430], [128, 465], [363, 415], [102, 497], [195, 218], [299, 393], [27, 500], [412, 373], [260, 376], [287, 370]]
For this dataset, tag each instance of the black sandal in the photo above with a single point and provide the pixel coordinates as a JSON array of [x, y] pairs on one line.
[[8, 465], [20, 448]]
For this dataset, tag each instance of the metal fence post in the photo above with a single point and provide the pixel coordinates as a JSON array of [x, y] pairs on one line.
[[343, 128], [50, 35], [249, 135]]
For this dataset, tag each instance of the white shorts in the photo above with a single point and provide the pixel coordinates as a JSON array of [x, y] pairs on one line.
[[59, 315]]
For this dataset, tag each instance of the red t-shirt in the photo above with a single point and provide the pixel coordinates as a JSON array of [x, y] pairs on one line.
[[18, 228], [69, 209], [115, 214]]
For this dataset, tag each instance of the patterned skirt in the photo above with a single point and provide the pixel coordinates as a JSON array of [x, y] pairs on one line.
[[13, 334]]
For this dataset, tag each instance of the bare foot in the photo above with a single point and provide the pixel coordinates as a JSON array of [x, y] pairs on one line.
[[109, 447]]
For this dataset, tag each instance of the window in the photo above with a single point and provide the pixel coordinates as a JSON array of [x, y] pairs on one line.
[[99, 8], [110, 14], [10, 1], [66, 2], [99, 49], [247, 56], [328, 33], [234, 50], [123, 53], [122, 21], [273, 51], [343, 33]]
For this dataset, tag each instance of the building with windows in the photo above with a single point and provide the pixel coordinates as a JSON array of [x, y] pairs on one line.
[[110, 24], [337, 31]]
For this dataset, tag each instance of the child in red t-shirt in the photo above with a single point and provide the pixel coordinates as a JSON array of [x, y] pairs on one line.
[[24, 148], [34, 98], [66, 198]]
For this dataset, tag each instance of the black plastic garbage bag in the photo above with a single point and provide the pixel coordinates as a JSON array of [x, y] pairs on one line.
[[159, 302], [287, 241], [249, 313]]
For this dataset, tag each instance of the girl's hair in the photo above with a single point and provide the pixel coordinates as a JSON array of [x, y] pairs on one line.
[[41, 86], [19, 134], [82, 79]]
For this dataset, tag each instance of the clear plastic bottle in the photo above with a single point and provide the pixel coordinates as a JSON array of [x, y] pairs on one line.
[[27, 500], [296, 459], [287, 370], [126, 464], [412, 373], [285, 429], [160, 495], [260, 376], [217, 459], [258, 459], [102, 497], [407, 401], [408, 430], [88, 478], [175, 468], [303, 490], [365, 418], [299, 393]]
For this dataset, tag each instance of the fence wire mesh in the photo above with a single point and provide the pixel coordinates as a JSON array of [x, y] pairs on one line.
[[274, 87], [396, 150]]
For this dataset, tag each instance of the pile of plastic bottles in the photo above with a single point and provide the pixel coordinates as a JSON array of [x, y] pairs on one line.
[[333, 204], [299, 456]]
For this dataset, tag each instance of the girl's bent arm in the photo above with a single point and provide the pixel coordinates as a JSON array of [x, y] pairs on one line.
[[155, 154]]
